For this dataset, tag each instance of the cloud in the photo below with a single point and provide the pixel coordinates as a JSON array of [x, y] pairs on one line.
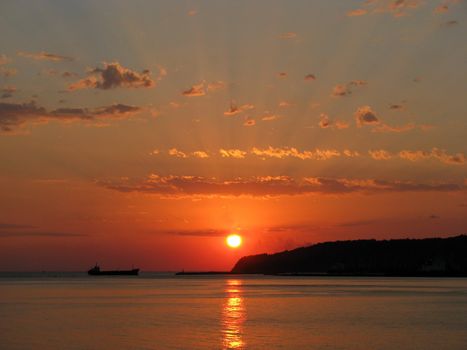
[[232, 153], [267, 117], [357, 12], [341, 90], [365, 116], [285, 104], [195, 90], [357, 83], [310, 77], [199, 233], [39, 234], [249, 122], [216, 85], [326, 123], [285, 152], [288, 35], [397, 8], [54, 72], [347, 89], [200, 154], [7, 92], [234, 109], [398, 129], [268, 186], [16, 115], [350, 154], [176, 153], [380, 154], [45, 56], [417, 155], [449, 23], [435, 153], [444, 6], [8, 72], [4, 59], [112, 76], [441, 9]]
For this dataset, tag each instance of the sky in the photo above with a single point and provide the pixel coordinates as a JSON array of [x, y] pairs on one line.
[[142, 133]]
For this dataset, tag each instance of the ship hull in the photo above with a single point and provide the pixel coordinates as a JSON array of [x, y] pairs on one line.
[[133, 272]]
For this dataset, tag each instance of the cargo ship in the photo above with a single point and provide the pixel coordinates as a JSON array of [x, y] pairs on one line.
[[96, 271]]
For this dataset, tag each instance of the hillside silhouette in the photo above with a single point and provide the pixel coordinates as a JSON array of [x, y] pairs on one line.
[[396, 257]]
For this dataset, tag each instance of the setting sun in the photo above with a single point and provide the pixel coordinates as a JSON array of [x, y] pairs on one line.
[[234, 241]]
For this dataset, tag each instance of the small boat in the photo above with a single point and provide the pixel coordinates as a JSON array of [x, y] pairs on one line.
[[96, 271]]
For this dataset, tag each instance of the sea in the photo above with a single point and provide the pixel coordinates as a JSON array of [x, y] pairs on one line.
[[73, 311]]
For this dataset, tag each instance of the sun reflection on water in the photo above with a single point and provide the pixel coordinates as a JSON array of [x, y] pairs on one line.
[[233, 316]]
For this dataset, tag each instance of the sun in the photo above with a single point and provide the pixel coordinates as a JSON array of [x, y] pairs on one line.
[[233, 241]]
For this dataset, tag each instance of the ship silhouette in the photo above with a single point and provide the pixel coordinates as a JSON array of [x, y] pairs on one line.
[[96, 271]]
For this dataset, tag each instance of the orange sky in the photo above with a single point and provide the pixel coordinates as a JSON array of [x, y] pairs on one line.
[[143, 133]]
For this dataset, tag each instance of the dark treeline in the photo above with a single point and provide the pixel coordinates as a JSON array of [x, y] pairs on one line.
[[401, 257]]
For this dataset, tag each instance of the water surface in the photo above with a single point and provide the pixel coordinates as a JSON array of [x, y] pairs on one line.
[[154, 311]]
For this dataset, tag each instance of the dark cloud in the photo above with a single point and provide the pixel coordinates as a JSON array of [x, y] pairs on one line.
[[347, 89], [44, 56], [7, 92], [199, 233], [39, 234], [195, 90], [15, 115], [268, 186], [450, 23], [365, 115], [112, 76]]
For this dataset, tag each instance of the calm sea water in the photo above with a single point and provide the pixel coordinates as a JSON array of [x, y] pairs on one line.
[[73, 311]]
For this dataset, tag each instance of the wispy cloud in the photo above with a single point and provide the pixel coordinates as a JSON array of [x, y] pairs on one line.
[[7, 91], [199, 233], [200, 154], [286, 152], [13, 234], [357, 12], [444, 6], [232, 153], [417, 155], [176, 153], [8, 72], [195, 90], [347, 89], [112, 76], [397, 8], [269, 186], [325, 122], [4, 59], [16, 115], [288, 35], [45, 56]]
